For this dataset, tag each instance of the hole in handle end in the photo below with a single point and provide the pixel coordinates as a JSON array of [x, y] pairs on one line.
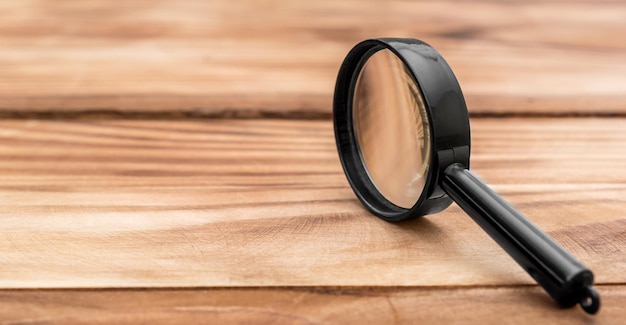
[[590, 300]]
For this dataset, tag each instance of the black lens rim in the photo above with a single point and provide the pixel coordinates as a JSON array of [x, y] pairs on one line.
[[446, 111]]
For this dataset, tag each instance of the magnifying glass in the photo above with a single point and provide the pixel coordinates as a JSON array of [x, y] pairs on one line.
[[403, 136]]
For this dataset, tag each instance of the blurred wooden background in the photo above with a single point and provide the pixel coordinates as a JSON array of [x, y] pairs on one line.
[[173, 161]]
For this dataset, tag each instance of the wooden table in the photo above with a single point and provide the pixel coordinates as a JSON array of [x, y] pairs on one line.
[[174, 161]]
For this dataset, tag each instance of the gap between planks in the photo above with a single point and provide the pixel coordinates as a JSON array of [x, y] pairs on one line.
[[192, 114]]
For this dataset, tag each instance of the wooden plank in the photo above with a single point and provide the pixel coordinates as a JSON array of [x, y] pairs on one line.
[[512, 305], [259, 58], [264, 203]]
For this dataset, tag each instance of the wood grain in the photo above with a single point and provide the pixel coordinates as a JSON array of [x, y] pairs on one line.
[[280, 58], [264, 203], [512, 305]]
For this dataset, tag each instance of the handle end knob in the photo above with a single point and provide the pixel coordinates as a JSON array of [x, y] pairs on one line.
[[590, 300]]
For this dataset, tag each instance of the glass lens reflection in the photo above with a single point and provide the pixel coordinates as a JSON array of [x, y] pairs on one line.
[[391, 128]]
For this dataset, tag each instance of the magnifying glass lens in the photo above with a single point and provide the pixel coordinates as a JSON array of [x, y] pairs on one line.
[[391, 128]]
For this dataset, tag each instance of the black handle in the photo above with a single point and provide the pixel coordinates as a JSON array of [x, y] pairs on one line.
[[566, 279]]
